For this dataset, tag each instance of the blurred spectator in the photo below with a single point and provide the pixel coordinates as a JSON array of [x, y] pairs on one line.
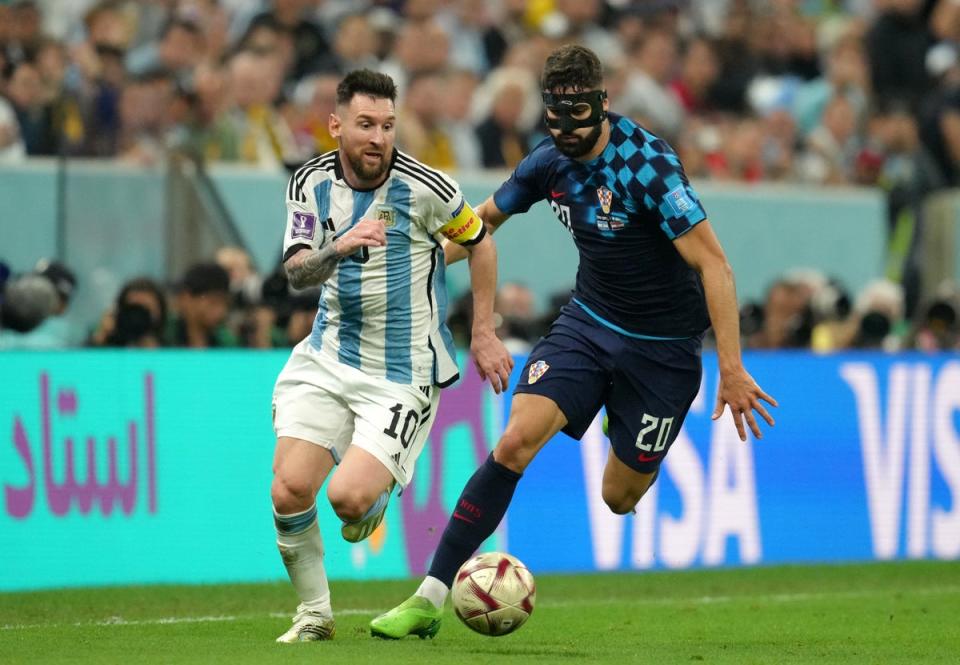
[[647, 96], [25, 302], [897, 43], [460, 86], [831, 148], [508, 28], [179, 49], [516, 316], [467, 24], [424, 135], [26, 96], [316, 99], [144, 121], [785, 42], [12, 147], [137, 318], [739, 62], [779, 136], [846, 75], [245, 284], [354, 46], [419, 48], [579, 21], [938, 328], [505, 133], [698, 72], [940, 115], [909, 173], [38, 322], [23, 30], [201, 307], [256, 133], [310, 47], [271, 39], [786, 318], [879, 313]]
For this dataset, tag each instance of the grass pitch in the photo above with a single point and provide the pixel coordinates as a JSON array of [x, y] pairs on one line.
[[875, 613]]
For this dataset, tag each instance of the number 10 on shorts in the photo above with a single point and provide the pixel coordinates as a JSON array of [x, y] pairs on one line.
[[650, 424]]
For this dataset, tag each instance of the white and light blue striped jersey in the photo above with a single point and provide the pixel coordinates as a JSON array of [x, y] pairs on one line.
[[384, 308]]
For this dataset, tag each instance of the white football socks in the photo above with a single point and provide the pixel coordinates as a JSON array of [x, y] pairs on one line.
[[301, 548], [433, 590]]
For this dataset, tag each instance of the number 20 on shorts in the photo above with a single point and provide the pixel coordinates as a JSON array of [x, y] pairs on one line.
[[650, 424]]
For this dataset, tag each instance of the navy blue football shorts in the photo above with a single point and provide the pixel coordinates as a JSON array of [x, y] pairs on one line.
[[647, 386]]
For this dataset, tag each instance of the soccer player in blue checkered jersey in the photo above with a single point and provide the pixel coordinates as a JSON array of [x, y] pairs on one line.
[[367, 221], [652, 277]]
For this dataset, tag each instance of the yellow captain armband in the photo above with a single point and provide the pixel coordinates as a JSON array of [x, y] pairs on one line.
[[465, 228]]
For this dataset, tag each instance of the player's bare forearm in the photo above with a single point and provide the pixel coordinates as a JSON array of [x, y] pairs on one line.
[[310, 267], [483, 282], [492, 218], [721, 294], [490, 355], [452, 252], [700, 248]]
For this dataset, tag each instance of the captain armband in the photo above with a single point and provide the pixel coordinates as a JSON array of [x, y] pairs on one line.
[[465, 228]]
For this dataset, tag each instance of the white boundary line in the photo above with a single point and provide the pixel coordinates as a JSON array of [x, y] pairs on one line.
[[701, 600]]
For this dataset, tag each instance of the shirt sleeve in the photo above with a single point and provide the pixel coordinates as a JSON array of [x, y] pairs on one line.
[[523, 188], [304, 229], [668, 192]]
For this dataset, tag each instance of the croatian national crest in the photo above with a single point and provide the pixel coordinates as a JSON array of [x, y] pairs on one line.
[[387, 215], [537, 370], [606, 199]]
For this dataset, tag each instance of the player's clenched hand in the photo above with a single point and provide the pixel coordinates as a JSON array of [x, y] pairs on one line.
[[741, 393], [492, 359], [367, 233]]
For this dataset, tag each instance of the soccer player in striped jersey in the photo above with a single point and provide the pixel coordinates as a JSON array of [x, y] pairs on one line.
[[652, 277], [361, 392]]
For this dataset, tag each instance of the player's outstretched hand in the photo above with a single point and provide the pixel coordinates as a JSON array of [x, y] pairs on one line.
[[367, 233], [741, 393], [492, 359]]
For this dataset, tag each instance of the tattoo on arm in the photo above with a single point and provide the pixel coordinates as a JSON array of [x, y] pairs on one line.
[[314, 268]]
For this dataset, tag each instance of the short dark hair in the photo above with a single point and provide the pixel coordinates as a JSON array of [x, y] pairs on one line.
[[203, 278], [366, 82], [572, 66]]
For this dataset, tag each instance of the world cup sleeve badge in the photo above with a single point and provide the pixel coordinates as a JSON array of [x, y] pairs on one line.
[[387, 215], [537, 370], [304, 225], [606, 199]]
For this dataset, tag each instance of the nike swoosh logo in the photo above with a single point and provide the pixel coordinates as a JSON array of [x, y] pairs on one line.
[[458, 516], [556, 195], [647, 458]]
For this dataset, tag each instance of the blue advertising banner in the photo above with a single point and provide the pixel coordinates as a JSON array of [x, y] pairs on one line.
[[127, 467]]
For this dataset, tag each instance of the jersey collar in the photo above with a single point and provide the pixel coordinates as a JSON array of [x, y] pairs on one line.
[[338, 172]]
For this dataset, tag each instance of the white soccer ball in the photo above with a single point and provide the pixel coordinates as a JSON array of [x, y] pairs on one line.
[[494, 593]]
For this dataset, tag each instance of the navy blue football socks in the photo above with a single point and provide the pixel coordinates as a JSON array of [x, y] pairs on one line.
[[481, 506]]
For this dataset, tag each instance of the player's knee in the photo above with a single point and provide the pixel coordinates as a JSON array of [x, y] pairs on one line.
[[514, 450], [349, 505], [620, 503], [290, 496]]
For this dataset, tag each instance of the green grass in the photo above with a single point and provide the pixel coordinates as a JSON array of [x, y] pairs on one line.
[[875, 613]]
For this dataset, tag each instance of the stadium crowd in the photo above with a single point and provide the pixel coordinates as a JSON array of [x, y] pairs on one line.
[[834, 92]]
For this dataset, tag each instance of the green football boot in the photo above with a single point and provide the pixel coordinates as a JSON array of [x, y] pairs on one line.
[[414, 616]]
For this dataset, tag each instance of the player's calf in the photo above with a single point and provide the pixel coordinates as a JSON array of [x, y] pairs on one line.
[[622, 497]]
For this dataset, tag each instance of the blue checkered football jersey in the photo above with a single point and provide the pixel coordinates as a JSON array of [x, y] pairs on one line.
[[624, 209]]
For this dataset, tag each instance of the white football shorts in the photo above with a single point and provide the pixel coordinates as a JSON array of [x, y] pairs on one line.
[[333, 405]]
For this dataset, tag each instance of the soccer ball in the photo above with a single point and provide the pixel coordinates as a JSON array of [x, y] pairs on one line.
[[493, 593]]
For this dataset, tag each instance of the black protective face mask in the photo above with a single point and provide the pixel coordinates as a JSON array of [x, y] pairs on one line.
[[565, 105]]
